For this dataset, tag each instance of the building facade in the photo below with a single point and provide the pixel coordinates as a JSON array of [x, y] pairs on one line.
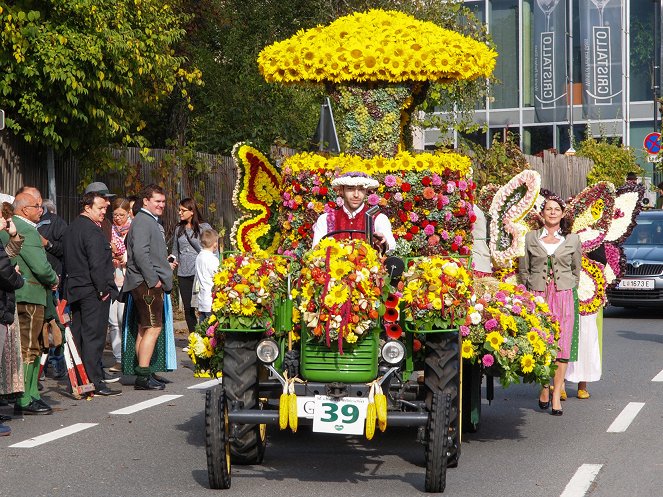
[[614, 60]]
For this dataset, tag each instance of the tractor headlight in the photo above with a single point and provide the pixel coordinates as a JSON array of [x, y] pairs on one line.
[[393, 352], [267, 351]]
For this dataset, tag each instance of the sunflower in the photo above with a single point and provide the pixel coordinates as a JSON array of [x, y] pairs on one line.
[[495, 339], [338, 269], [533, 337], [337, 295], [527, 363], [467, 349]]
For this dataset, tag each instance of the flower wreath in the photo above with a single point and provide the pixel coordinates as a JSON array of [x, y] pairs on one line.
[[591, 289]]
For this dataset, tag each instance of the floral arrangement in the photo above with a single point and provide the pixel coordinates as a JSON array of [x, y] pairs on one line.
[[435, 293], [628, 204], [427, 197], [205, 348], [376, 46], [510, 205], [246, 289], [615, 262], [590, 213], [341, 286], [509, 329], [257, 190], [591, 289]]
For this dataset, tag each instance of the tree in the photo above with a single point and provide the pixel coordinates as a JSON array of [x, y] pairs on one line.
[[612, 161], [78, 74]]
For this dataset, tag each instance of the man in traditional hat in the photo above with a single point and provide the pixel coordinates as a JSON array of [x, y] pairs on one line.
[[102, 189], [352, 188]]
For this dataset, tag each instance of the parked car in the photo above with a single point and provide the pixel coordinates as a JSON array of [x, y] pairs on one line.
[[642, 283]]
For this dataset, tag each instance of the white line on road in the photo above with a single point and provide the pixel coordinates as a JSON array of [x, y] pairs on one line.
[[625, 417], [658, 377], [145, 405], [582, 480], [54, 435], [205, 385]]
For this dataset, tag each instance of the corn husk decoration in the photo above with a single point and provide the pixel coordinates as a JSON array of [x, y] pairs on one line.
[[284, 403], [381, 407], [371, 413], [292, 407]]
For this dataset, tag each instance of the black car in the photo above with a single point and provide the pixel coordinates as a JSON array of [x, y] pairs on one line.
[[642, 283]]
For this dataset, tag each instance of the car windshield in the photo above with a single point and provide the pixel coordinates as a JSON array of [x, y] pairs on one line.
[[647, 232]]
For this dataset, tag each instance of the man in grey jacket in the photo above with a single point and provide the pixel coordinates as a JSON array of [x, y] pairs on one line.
[[149, 275]]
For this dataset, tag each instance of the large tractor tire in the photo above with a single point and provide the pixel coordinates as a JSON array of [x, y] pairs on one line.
[[240, 380], [217, 440], [437, 446], [442, 375]]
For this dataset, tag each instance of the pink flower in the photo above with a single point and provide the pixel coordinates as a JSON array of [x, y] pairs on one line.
[[436, 180], [433, 241], [398, 197], [491, 324], [451, 187], [464, 330], [429, 230], [315, 190], [414, 217], [488, 360], [286, 196], [458, 239], [390, 180], [516, 309], [210, 331], [292, 204], [462, 185], [373, 199], [310, 205], [212, 342], [444, 200], [448, 216], [444, 235]]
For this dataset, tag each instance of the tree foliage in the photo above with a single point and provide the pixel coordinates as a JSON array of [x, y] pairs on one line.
[[497, 164], [612, 161], [81, 73]]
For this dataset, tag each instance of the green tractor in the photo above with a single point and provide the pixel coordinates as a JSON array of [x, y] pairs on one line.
[[332, 392]]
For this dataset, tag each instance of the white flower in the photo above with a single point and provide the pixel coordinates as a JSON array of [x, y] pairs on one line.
[[475, 317], [478, 307]]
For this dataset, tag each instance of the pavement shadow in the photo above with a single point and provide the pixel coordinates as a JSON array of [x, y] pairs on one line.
[[631, 312], [643, 337]]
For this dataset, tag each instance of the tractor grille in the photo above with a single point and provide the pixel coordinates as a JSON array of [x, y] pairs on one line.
[[326, 364]]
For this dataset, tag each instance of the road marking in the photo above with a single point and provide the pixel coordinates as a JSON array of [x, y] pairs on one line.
[[625, 417], [205, 385], [146, 404], [54, 435], [582, 480], [658, 377]]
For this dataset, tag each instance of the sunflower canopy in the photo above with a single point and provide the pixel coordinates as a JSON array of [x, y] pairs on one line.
[[376, 45]]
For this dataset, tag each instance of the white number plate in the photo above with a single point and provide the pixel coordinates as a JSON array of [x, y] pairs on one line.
[[636, 284], [345, 416]]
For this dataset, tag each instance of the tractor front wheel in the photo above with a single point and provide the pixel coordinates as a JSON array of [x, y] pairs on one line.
[[217, 439], [437, 447]]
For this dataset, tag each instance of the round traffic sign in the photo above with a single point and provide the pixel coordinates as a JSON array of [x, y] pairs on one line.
[[652, 143]]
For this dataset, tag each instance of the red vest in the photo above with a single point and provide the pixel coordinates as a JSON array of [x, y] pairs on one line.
[[343, 222]]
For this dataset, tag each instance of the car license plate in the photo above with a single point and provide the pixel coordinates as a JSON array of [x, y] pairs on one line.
[[636, 284], [344, 416]]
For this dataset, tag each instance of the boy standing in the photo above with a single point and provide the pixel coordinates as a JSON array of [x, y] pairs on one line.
[[207, 264]]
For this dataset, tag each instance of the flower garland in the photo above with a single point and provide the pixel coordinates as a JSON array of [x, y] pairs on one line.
[[592, 286], [590, 213], [376, 45], [509, 328], [257, 190], [246, 289], [341, 285], [510, 205], [435, 293]]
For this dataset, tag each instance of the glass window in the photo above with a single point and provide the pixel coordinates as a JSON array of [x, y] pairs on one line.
[[579, 134], [504, 30], [642, 50], [537, 138]]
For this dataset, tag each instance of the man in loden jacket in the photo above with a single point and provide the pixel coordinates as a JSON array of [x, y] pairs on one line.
[[40, 280], [89, 286]]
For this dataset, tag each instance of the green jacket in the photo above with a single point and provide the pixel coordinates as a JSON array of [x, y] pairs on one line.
[[38, 274]]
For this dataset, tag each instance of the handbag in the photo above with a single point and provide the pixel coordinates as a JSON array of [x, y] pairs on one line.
[[195, 290]]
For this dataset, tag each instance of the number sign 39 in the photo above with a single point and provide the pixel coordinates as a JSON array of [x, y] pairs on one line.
[[344, 416]]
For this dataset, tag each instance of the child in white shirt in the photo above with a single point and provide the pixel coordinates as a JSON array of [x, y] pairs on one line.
[[207, 264]]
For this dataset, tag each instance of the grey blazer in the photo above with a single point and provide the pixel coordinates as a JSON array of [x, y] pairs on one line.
[[566, 263], [147, 254]]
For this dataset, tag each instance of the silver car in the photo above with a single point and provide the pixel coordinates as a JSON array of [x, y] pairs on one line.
[[642, 283]]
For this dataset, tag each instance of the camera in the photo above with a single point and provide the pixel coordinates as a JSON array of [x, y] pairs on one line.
[[171, 258]]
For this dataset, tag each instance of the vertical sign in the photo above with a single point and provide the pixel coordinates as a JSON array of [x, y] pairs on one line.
[[601, 54], [550, 60]]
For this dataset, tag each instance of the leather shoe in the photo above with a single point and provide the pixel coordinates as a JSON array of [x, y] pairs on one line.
[[42, 403], [556, 412], [33, 408], [161, 379], [148, 383], [107, 392], [544, 405]]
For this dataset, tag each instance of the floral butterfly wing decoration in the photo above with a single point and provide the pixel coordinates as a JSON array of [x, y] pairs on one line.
[[590, 214], [257, 194], [591, 289], [509, 207]]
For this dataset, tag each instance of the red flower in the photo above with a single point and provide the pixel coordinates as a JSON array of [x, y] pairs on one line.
[[464, 250], [406, 187], [473, 217], [414, 229], [390, 315], [297, 187], [301, 230], [416, 345], [425, 223], [387, 195], [392, 301], [394, 331], [408, 237], [402, 216], [454, 247], [323, 190], [417, 198], [331, 205], [426, 181], [408, 206]]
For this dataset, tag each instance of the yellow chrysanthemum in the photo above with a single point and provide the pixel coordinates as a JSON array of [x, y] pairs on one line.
[[248, 307]]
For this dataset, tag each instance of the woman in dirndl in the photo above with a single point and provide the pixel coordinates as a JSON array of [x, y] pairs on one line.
[[551, 268]]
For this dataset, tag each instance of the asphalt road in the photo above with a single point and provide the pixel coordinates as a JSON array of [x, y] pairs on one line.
[[518, 450]]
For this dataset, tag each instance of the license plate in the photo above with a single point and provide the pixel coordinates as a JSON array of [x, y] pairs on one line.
[[636, 284], [344, 416]]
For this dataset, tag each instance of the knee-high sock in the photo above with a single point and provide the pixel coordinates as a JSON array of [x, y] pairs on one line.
[[34, 384], [25, 397]]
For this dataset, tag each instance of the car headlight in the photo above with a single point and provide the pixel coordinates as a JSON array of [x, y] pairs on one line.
[[267, 351], [393, 352]]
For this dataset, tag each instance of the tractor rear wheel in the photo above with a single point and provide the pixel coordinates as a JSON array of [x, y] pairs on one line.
[[442, 375], [217, 440], [240, 379], [437, 447]]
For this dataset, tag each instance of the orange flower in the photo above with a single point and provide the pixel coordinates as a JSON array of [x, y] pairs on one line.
[[373, 314], [429, 193], [392, 301], [390, 315], [394, 331]]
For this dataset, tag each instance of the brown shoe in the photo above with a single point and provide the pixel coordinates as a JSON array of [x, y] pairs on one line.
[[115, 368]]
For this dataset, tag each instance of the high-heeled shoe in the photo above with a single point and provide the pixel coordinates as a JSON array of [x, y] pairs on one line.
[[544, 405], [556, 412]]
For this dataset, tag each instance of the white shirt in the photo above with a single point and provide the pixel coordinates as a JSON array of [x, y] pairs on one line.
[[551, 247], [207, 264], [382, 226]]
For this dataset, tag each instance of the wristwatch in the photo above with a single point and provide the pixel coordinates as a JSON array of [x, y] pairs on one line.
[[49, 244]]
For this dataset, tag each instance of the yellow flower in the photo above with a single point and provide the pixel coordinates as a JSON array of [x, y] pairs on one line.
[[351, 338], [338, 294], [539, 347], [338, 269], [495, 339], [467, 349], [532, 336], [527, 363], [248, 307]]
